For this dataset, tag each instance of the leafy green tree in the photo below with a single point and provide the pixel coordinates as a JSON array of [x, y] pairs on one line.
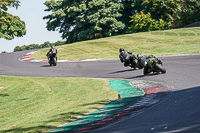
[[144, 22], [161, 9], [17, 48], [79, 20], [10, 25], [129, 8], [188, 12], [46, 44], [154, 15], [58, 43], [32, 46]]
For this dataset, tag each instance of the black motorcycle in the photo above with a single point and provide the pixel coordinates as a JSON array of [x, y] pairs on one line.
[[52, 59], [127, 58], [154, 65], [141, 61]]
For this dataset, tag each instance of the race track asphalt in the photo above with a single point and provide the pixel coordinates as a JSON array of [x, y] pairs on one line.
[[179, 112]]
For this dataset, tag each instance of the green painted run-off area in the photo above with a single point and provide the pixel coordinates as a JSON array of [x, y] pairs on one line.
[[130, 95]]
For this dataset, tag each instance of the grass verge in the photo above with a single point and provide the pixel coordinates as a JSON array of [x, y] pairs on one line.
[[30, 104], [159, 43]]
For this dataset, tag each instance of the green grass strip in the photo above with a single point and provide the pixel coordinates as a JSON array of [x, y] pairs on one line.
[[129, 95], [159, 43], [30, 104]]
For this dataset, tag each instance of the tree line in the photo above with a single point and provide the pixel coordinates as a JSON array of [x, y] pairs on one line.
[[38, 46], [79, 20]]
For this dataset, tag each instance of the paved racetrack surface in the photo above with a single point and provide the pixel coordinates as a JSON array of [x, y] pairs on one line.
[[179, 112]]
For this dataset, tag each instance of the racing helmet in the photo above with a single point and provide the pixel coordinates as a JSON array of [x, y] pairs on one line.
[[139, 55], [121, 49], [52, 46]]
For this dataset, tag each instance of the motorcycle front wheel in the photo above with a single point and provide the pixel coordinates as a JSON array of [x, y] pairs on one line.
[[145, 72], [161, 68], [121, 59], [54, 61]]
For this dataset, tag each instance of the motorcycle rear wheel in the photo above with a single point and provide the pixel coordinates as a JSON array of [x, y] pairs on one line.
[[133, 64]]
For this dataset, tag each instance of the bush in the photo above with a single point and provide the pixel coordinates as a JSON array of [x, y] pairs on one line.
[[144, 22]]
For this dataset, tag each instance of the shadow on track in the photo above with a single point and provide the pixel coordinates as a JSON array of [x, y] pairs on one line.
[[141, 76], [127, 70], [46, 66]]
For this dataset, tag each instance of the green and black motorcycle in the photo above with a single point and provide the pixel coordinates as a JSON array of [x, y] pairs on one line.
[[154, 65]]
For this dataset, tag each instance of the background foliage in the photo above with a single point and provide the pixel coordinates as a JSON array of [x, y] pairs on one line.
[[38, 46], [188, 11], [164, 14], [89, 19], [145, 22], [155, 15], [10, 25], [84, 19]]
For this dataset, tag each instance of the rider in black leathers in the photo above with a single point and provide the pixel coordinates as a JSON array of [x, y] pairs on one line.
[[52, 53], [143, 60], [126, 57]]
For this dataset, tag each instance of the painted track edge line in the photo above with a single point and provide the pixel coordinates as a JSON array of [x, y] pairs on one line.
[[136, 113], [27, 58]]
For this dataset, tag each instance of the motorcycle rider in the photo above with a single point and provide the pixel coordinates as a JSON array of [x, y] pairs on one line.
[[125, 56], [141, 61], [150, 59], [52, 53]]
